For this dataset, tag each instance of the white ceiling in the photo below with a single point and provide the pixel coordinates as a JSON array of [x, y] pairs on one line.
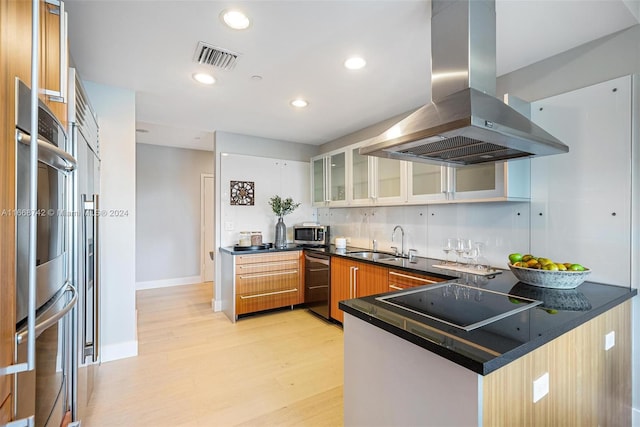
[[298, 47]]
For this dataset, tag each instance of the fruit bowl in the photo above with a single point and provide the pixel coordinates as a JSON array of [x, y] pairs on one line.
[[548, 278]]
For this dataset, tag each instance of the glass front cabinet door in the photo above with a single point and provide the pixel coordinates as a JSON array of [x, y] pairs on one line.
[[328, 180], [375, 180], [486, 182]]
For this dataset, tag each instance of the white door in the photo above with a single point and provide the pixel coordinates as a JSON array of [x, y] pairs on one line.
[[207, 227]]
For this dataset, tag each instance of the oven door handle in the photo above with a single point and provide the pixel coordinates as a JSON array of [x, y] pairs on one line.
[[49, 153], [51, 319], [318, 260]]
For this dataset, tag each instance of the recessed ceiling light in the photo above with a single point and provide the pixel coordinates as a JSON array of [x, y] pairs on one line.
[[299, 103], [235, 19], [256, 78], [204, 78], [355, 63]]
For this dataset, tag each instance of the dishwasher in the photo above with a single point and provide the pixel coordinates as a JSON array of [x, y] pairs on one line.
[[317, 277]]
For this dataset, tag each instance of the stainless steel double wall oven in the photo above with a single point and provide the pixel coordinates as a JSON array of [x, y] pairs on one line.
[[44, 392]]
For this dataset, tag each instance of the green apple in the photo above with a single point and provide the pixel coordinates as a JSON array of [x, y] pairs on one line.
[[515, 257]]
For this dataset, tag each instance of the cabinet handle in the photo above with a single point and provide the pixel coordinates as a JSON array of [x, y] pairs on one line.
[[355, 282], [279, 273], [267, 264], [412, 277], [444, 179], [395, 287], [61, 95], [353, 279], [30, 364], [327, 180], [373, 183], [268, 294]]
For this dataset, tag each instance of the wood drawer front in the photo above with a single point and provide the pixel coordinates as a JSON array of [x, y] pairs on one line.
[[265, 258], [264, 301], [264, 267], [257, 283], [402, 280]]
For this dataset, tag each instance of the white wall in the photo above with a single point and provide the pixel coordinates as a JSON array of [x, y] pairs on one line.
[[601, 60], [168, 214], [116, 117], [265, 152], [503, 228], [286, 178]]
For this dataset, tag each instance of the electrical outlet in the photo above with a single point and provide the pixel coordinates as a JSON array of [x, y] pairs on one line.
[[540, 387], [609, 340], [228, 226]]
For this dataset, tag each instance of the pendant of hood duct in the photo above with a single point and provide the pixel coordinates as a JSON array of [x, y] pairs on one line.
[[465, 123]]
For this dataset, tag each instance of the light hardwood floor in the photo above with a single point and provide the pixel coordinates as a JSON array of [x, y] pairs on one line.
[[196, 368]]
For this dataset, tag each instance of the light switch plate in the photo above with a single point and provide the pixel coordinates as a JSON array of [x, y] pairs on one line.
[[609, 340], [540, 387]]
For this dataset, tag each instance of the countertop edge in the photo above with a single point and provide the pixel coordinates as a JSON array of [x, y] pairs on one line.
[[499, 361], [229, 250]]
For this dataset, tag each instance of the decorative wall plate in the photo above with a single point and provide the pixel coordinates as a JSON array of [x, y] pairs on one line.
[[242, 193]]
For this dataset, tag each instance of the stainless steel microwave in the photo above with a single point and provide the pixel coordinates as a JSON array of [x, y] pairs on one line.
[[311, 235]]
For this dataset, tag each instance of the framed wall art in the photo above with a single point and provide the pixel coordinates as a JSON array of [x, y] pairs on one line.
[[242, 193]]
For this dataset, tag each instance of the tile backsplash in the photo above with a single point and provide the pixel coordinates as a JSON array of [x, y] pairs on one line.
[[502, 227]]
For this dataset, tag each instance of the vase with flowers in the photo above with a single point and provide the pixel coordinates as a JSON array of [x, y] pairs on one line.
[[281, 207]]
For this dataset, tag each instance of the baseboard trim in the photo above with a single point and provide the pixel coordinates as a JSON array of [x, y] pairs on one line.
[[178, 281], [635, 417], [216, 305], [118, 351]]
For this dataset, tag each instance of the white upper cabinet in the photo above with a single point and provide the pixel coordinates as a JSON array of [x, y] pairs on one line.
[[581, 201], [486, 182], [329, 179], [347, 178], [374, 180]]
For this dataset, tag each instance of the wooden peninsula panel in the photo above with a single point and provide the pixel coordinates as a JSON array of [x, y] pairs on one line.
[[588, 385]]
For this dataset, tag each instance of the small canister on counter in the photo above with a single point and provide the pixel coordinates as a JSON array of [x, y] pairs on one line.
[[245, 239], [256, 238]]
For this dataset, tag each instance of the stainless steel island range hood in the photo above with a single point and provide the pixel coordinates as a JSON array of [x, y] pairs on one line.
[[465, 123]]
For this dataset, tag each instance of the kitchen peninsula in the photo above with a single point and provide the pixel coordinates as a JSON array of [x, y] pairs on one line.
[[564, 359], [564, 362]]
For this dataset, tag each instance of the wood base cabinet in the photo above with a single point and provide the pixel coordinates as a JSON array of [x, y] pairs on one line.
[[353, 279], [262, 282], [400, 280]]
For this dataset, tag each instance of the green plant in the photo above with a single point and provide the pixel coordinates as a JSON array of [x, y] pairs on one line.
[[282, 206]]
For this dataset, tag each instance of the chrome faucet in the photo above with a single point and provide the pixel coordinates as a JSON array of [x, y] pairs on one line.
[[402, 242]]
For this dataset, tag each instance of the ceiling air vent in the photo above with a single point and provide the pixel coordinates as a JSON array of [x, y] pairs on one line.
[[215, 56]]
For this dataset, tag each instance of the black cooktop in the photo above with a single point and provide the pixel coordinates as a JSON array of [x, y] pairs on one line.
[[463, 306]]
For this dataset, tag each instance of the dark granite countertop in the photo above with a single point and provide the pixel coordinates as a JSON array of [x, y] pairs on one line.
[[233, 251], [489, 347]]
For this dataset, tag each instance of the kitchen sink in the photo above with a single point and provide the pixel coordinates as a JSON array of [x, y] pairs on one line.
[[372, 256], [397, 261]]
